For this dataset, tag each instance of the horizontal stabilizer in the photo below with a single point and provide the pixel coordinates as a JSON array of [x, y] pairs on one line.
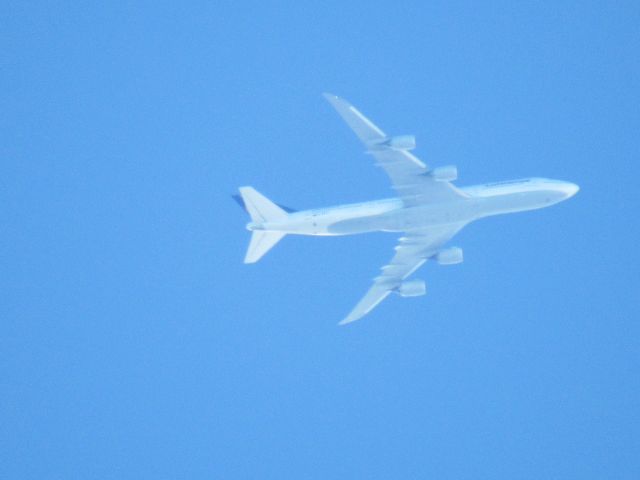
[[262, 211], [240, 202], [261, 242], [260, 208]]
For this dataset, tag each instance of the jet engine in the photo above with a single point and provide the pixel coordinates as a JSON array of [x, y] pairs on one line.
[[412, 288], [445, 174], [401, 142], [449, 256]]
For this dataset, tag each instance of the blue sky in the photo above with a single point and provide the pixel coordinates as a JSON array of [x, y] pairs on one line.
[[135, 344]]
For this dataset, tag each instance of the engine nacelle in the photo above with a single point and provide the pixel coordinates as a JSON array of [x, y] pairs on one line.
[[412, 288], [445, 174], [449, 256], [401, 142]]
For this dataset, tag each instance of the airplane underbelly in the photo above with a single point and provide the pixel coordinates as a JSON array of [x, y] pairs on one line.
[[427, 216], [406, 219], [315, 225]]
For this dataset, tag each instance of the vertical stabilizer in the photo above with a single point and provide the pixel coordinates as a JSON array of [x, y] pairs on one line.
[[261, 210]]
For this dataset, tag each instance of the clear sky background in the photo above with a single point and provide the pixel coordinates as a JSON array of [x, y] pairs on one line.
[[135, 344]]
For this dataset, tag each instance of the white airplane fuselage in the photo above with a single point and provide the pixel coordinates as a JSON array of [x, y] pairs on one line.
[[429, 210], [391, 215]]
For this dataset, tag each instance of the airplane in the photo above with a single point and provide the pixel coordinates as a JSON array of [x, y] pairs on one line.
[[429, 209]]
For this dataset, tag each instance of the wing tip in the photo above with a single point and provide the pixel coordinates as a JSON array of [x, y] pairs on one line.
[[335, 100], [349, 319]]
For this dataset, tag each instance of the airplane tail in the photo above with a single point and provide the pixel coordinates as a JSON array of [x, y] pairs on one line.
[[261, 210]]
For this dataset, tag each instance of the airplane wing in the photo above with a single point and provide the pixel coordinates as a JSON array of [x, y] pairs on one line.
[[415, 248], [409, 176]]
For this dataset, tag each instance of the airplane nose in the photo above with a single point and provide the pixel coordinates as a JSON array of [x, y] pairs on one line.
[[570, 189]]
